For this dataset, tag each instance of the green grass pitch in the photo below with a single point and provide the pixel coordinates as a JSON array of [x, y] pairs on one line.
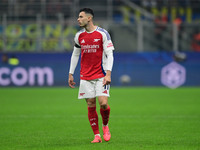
[[152, 118]]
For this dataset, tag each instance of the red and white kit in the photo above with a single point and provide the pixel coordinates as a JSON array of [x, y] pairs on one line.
[[96, 50]]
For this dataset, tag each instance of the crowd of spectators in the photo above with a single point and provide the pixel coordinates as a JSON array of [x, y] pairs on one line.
[[50, 7], [29, 8], [168, 3]]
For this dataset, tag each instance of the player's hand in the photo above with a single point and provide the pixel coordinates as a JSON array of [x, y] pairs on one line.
[[71, 81], [107, 78]]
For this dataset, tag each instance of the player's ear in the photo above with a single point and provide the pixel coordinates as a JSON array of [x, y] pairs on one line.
[[89, 17]]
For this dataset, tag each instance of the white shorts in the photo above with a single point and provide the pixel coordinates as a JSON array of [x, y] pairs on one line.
[[93, 88]]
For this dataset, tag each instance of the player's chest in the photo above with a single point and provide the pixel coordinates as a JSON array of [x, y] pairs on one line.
[[90, 39]]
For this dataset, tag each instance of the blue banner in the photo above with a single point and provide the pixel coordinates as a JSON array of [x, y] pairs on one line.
[[130, 69]]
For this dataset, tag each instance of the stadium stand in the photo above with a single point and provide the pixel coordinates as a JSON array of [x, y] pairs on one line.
[[174, 23]]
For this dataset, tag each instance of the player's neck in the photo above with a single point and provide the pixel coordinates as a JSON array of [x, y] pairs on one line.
[[90, 28]]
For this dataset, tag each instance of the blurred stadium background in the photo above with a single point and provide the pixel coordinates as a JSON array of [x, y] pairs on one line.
[[36, 41], [157, 44]]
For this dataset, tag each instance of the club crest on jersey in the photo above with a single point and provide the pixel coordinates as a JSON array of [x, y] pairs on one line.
[[83, 41], [81, 94], [96, 40]]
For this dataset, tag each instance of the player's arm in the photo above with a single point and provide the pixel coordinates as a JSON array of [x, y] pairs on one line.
[[108, 49], [110, 59], [73, 64]]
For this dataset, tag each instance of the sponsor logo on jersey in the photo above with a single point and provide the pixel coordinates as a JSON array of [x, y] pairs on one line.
[[83, 41], [90, 51], [96, 40], [89, 48]]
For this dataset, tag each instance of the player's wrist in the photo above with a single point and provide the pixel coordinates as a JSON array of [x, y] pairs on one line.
[[70, 76], [108, 73]]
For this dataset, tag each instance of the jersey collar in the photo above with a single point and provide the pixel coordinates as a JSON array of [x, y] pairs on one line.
[[93, 30]]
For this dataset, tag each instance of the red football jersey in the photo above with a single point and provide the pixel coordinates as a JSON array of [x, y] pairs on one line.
[[94, 46]]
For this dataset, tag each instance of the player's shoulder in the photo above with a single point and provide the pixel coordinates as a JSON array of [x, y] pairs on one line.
[[79, 32], [103, 32], [77, 35]]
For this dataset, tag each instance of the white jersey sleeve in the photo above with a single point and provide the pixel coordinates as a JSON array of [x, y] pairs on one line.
[[75, 54], [74, 59], [108, 50], [107, 42], [110, 60]]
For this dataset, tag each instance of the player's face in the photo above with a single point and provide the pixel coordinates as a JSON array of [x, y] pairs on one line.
[[83, 19]]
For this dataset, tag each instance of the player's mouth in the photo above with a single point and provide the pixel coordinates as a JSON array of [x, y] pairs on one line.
[[80, 24]]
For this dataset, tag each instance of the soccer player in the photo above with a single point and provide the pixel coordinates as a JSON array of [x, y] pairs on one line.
[[96, 49]]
